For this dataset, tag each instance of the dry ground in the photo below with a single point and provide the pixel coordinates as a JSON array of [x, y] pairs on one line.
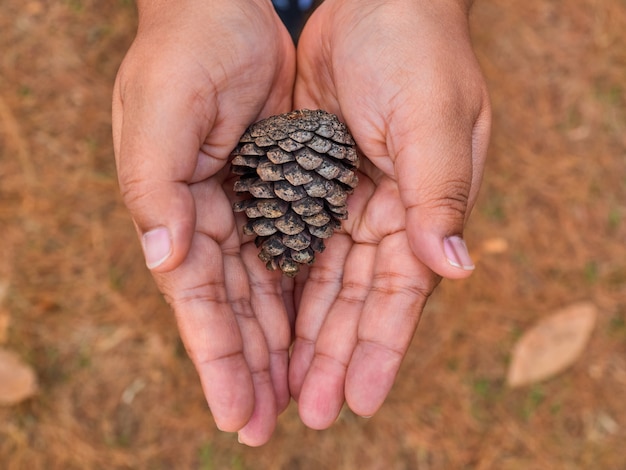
[[116, 389]]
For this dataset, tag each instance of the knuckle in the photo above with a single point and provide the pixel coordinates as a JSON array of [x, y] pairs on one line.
[[324, 275], [204, 293], [353, 293], [449, 197], [394, 284], [327, 361], [378, 348], [135, 191], [242, 308]]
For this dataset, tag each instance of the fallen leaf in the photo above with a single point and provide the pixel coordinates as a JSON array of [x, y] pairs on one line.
[[495, 246], [599, 425], [111, 341], [17, 379], [552, 345]]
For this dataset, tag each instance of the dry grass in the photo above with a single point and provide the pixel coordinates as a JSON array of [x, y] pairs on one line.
[[117, 390]]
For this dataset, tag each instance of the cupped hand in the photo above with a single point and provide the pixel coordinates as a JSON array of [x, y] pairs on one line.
[[197, 74], [403, 76]]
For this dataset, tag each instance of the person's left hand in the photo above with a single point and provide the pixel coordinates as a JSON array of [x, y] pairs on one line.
[[404, 78]]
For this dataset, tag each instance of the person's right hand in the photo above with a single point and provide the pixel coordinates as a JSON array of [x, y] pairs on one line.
[[197, 74]]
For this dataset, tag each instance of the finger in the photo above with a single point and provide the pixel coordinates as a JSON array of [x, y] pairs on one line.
[[262, 421], [400, 287], [292, 290], [272, 301], [196, 289], [322, 286], [260, 427], [266, 289], [158, 136], [322, 393], [439, 164], [210, 332]]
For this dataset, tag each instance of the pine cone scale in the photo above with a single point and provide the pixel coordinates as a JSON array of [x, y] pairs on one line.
[[279, 156], [307, 206], [308, 159], [289, 145], [272, 208], [269, 171], [296, 175], [301, 137], [288, 192]]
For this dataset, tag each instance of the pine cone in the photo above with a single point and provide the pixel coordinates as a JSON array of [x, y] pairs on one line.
[[299, 168]]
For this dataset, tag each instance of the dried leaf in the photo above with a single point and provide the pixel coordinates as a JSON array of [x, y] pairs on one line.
[[17, 379], [552, 345], [495, 246], [118, 336]]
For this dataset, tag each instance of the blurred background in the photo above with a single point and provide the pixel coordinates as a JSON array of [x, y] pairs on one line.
[[115, 388]]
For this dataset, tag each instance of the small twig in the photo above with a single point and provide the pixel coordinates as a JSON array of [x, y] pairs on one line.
[[17, 142]]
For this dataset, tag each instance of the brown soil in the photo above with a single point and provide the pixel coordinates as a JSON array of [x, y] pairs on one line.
[[116, 388]]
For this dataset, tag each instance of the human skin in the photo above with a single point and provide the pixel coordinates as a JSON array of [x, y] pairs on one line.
[[402, 75]]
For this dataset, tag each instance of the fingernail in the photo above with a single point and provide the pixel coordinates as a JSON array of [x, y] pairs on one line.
[[157, 246], [240, 440], [456, 252]]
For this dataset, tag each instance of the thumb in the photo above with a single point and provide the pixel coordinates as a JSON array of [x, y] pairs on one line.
[[156, 149], [439, 176]]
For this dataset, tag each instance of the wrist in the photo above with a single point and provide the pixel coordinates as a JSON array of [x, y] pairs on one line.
[[161, 10]]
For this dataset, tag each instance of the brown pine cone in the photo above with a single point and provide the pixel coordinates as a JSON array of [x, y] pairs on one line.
[[298, 168]]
